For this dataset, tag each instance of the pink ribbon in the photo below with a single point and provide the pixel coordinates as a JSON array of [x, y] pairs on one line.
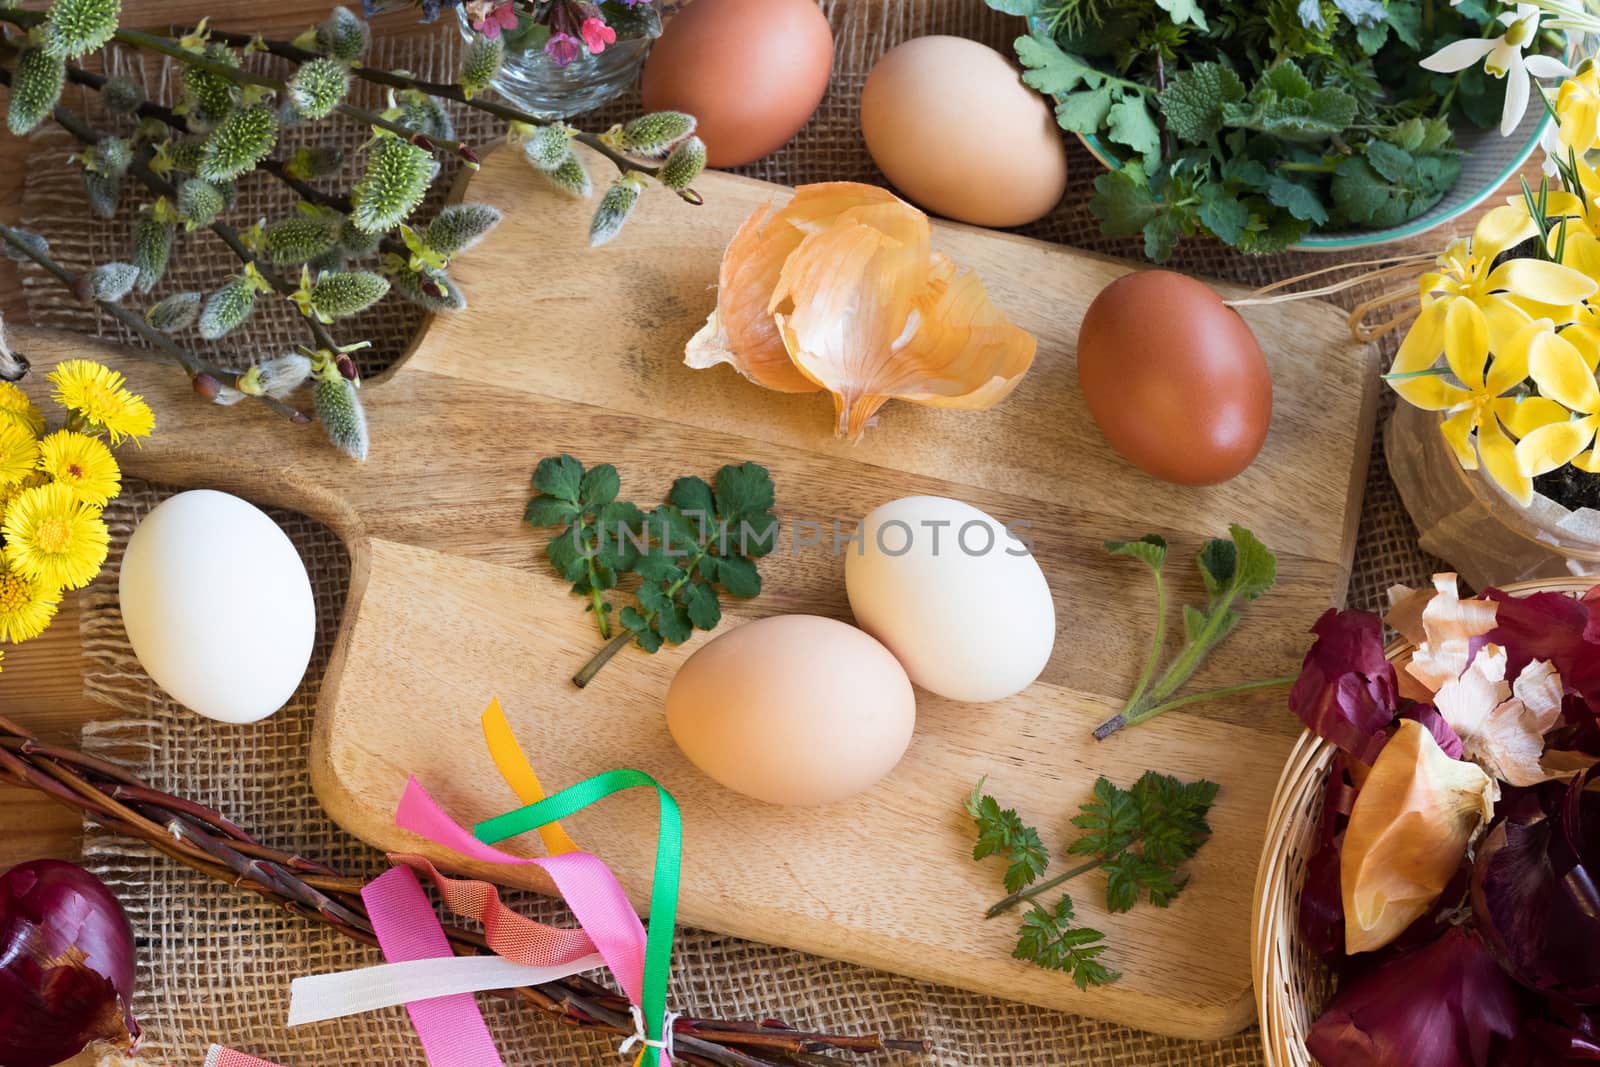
[[587, 885], [451, 1028], [217, 1056], [584, 882]]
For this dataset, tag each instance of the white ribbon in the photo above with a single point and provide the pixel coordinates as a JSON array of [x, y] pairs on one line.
[[639, 1039], [318, 997]]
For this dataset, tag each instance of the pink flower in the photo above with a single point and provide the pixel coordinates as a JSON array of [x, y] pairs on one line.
[[490, 20], [562, 48], [596, 34]]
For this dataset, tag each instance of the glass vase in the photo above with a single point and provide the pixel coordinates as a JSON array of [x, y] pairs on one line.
[[534, 82]]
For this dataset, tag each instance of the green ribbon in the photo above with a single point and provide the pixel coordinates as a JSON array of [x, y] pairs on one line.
[[663, 891]]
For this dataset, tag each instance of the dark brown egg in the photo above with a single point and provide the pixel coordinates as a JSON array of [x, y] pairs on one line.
[[1174, 378]]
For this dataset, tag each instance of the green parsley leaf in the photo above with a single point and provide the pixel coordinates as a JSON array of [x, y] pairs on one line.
[[1049, 940], [1110, 821]]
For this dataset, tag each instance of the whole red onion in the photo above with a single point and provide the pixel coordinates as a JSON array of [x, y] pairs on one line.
[[66, 965]]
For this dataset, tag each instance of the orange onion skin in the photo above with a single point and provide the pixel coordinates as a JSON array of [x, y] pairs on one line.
[[66, 965]]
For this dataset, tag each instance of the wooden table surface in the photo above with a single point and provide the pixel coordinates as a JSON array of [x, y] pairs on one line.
[[41, 686]]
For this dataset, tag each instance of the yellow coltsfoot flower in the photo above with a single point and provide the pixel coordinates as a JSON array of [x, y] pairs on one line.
[[96, 393], [54, 537], [16, 407], [26, 606], [1578, 111], [19, 452], [82, 463]]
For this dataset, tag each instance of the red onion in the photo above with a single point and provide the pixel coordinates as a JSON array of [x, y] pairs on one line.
[[66, 965]]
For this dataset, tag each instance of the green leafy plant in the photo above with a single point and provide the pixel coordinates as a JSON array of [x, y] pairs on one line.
[[228, 121], [703, 542], [1259, 122], [1140, 837], [1236, 571]]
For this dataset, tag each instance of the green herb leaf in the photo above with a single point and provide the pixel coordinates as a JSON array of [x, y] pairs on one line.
[[546, 510], [1085, 110], [1299, 200], [599, 487], [1129, 123], [1015, 7], [701, 604], [1151, 549], [1002, 833], [559, 476], [1050, 70], [1193, 100], [1223, 213], [738, 576], [1110, 821], [1122, 204], [1049, 940]]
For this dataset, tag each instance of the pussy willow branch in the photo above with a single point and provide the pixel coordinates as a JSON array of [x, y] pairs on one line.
[[192, 365], [275, 167], [140, 169], [450, 91], [170, 46], [204, 840]]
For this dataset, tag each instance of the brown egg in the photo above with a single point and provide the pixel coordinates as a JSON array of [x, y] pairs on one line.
[[1174, 378], [752, 72], [954, 129]]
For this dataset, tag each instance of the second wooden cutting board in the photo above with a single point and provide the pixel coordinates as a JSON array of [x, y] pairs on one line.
[[567, 349]]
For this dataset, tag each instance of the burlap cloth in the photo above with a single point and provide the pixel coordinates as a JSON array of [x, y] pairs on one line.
[[215, 964]]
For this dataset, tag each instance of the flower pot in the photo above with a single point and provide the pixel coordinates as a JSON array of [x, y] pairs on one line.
[[1468, 521], [534, 82]]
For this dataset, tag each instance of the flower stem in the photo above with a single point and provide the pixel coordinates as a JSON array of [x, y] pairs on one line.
[[1156, 643], [1144, 714], [1003, 906], [601, 658]]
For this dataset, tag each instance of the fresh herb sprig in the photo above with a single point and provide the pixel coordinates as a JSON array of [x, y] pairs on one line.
[[1258, 121], [1235, 571], [703, 542], [1141, 837], [591, 548]]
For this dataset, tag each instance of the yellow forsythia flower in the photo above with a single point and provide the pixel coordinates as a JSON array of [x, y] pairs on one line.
[[53, 536], [82, 463], [19, 452], [16, 407], [26, 606], [97, 394]]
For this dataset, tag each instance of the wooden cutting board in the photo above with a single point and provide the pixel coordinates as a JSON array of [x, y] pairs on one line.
[[567, 349]]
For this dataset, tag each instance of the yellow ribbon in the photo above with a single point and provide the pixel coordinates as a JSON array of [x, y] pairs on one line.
[[519, 775]]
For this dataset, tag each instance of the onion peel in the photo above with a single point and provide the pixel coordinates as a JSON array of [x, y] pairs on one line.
[[840, 290]]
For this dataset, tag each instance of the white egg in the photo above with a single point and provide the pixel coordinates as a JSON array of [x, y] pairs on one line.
[[218, 606], [957, 597]]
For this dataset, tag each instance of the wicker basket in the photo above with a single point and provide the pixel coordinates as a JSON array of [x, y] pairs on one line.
[[1292, 985]]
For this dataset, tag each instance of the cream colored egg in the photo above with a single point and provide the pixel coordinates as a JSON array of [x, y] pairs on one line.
[[954, 129], [218, 606], [958, 598], [794, 709]]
